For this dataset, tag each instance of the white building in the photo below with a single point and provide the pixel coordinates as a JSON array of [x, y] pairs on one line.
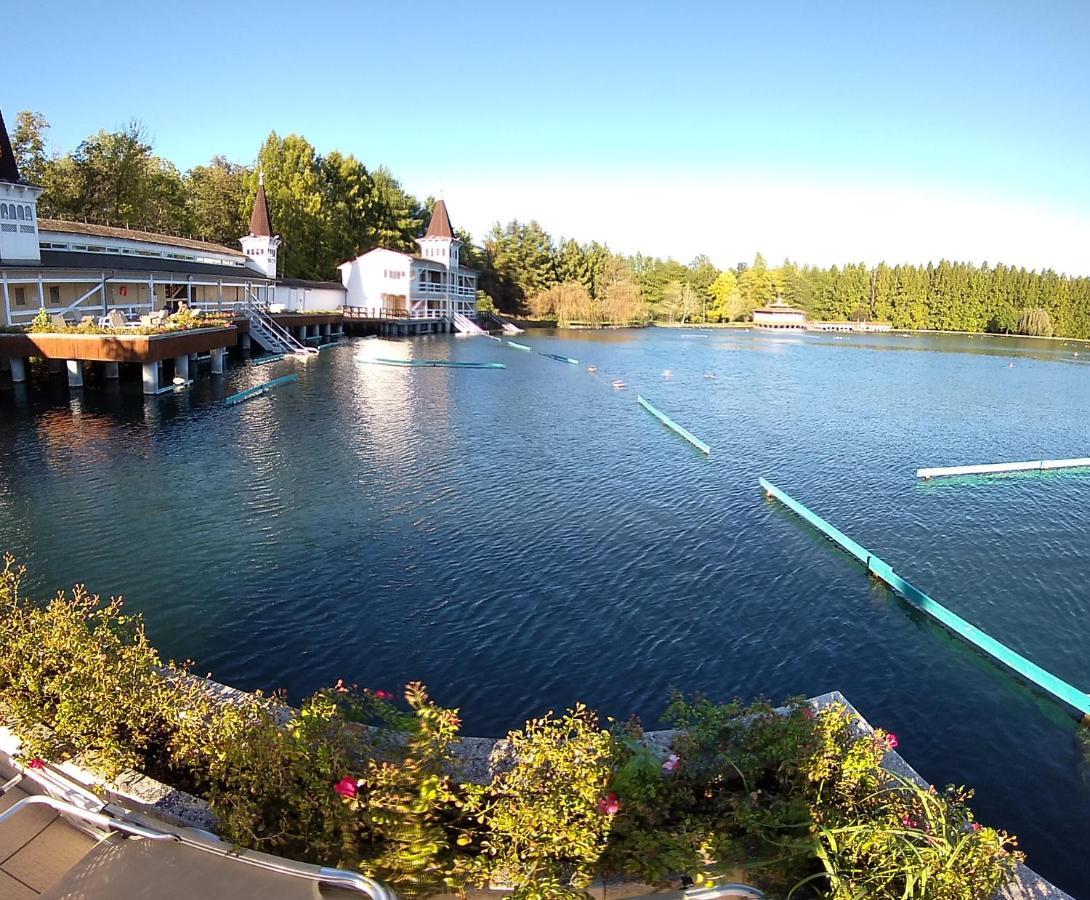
[[75, 268], [778, 315], [431, 284]]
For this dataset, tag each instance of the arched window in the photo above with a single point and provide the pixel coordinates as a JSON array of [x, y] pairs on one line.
[[3, 210], [19, 211], [29, 214]]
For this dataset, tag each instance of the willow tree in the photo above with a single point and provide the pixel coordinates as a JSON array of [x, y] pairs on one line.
[[1035, 322]]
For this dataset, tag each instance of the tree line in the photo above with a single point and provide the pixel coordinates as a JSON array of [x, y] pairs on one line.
[[329, 208]]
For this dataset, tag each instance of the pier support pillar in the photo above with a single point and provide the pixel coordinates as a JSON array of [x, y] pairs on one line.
[[181, 367], [112, 370], [325, 330], [75, 373], [151, 378], [217, 360], [54, 367], [18, 369]]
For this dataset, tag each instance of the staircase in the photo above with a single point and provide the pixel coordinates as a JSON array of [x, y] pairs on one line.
[[505, 326], [465, 325], [273, 337]]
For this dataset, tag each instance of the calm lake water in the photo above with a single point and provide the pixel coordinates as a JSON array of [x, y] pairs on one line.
[[525, 538]]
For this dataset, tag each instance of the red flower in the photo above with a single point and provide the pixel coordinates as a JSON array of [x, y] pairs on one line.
[[909, 822], [891, 741], [809, 712], [346, 787], [609, 805], [671, 763], [383, 695], [35, 764], [976, 827]]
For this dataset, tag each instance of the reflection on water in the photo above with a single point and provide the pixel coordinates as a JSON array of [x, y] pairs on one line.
[[523, 538]]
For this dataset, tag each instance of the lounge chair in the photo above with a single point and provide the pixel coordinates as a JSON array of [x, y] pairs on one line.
[[86, 320], [59, 322], [138, 857], [116, 319]]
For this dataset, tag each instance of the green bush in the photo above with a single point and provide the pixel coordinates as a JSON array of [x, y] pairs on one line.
[[544, 819], [78, 677], [797, 799]]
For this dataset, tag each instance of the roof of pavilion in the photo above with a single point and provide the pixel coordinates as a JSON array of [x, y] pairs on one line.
[[131, 234]]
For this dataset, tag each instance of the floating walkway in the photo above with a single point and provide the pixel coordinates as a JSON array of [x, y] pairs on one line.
[[518, 346], [1001, 653], [671, 424], [437, 363], [265, 360], [260, 389], [1041, 465], [176, 386], [557, 356]]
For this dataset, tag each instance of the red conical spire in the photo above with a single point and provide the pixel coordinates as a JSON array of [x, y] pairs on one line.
[[260, 223], [439, 226]]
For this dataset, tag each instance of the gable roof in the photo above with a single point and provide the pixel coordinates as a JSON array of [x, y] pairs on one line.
[[260, 223], [131, 234], [439, 226], [9, 169]]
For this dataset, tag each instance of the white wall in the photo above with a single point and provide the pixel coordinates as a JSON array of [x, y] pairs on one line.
[[300, 298], [367, 278]]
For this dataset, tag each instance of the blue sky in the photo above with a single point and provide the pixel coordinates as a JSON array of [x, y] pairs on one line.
[[824, 131]]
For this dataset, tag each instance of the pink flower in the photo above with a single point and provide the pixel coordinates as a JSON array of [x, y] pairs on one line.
[[346, 787], [809, 712], [908, 821], [671, 763], [976, 827], [35, 764], [383, 695], [609, 805], [891, 741]]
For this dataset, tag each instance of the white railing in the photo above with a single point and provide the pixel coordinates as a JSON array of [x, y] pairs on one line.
[[439, 290], [385, 312]]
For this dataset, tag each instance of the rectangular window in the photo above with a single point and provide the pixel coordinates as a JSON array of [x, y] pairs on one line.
[[54, 295], [20, 296]]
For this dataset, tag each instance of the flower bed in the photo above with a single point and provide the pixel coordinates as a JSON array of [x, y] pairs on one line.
[[185, 320], [795, 799]]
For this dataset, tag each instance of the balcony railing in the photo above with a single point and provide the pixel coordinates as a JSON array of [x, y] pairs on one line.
[[440, 290], [386, 312]]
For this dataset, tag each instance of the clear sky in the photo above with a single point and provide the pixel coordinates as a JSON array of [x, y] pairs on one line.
[[824, 131]]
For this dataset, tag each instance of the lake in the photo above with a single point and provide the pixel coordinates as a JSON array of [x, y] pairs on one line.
[[520, 539]]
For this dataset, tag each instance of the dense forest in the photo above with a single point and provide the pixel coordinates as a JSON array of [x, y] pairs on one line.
[[328, 208]]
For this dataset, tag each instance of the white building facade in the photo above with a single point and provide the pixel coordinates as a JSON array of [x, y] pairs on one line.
[[431, 284]]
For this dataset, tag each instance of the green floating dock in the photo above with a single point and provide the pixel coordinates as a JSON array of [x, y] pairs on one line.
[[437, 364], [673, 426], [1000, 652], [260, 389], [265, 360], [518, 346], [557, 357]]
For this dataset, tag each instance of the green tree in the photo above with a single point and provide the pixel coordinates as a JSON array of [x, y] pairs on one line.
[[216, 195], [28, 144]]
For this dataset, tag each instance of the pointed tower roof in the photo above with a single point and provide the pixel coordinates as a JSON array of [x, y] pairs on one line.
[[260, 223], [9, 170], [439, 226]]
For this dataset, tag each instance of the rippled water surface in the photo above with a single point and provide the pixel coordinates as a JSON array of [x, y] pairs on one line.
[[520, 539]]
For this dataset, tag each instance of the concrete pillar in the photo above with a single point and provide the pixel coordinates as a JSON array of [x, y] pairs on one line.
[[54, 367], [324, 330], [181, 367], [217, 360], [18, 369], [75, 373], [301, 333], [151, 378], [113, 370], [244, 341]]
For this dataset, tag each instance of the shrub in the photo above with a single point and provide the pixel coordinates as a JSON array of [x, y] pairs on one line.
[[884, 836], [730, 795], [78, 677], [545, 817]]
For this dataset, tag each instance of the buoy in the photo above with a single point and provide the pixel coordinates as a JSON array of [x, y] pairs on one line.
[[667, 373], [593, 369], [1010, 365], [618, 384], [709, 374]]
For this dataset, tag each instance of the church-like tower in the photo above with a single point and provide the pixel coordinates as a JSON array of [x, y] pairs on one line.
[[440, 245], [260, 244], [18, 208]]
